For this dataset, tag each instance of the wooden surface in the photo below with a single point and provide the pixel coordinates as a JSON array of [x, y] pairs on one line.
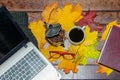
[[107, 11], [38, 5]]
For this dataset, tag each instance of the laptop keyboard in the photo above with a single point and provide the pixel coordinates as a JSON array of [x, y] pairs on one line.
[[26, 68]]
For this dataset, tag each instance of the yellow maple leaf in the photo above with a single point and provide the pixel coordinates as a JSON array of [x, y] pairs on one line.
[[49, 13], [108, 26], [69, 15], [103, 69], [90, 37], [78, 9], [68, 65], [38, 31], [86, 52]]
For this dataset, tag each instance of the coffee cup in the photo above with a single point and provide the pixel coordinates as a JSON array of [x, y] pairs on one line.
[[76, 35]]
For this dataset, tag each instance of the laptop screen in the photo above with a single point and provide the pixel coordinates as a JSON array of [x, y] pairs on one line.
[[10, 36]]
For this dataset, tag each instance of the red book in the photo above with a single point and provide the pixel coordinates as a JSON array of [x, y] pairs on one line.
[[110, 54]]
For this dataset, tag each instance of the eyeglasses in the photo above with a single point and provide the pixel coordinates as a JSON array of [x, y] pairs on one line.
[[65, 55]]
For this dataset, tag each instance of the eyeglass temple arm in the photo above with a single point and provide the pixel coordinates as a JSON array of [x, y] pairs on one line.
[[61, 52]]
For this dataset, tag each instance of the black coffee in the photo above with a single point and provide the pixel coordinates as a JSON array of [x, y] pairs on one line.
[[76, 35]]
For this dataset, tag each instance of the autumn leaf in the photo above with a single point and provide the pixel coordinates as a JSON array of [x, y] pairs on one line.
[[88, 19], [88, 47], [68, 65], [103, 69], [90, 37], [69, 15], [89, 52], [78, 9], [38, 31], [49, 13]]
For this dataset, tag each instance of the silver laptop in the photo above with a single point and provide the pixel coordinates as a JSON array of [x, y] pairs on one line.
[[19, 58]]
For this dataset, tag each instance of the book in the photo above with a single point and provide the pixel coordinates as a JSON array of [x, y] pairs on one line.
[[110, 53]]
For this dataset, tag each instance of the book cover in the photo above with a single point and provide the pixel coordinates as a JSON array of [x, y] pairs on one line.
[[110, 54]]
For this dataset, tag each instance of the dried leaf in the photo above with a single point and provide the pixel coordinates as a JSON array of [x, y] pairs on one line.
[[103, 69], [50, 13], [68, 15], [89, 16], [95, 27], [88, 19]]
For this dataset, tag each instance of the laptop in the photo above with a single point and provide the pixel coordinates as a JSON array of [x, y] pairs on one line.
[[20, 59], [110, 54]]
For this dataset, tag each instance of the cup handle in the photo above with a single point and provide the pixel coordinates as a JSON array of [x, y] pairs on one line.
[[83, 27]]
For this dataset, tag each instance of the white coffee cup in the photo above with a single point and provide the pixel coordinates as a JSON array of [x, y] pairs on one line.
[[76, 35]]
